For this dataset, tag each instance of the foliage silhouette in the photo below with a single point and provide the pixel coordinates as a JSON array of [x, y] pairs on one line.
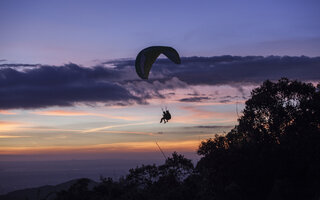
[[273, 153]]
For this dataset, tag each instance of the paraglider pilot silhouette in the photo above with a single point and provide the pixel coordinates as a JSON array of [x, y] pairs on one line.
[[144, 62], [166, 116]]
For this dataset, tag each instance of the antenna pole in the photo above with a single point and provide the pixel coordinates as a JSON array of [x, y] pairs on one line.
[[161, 152], [237, 109]]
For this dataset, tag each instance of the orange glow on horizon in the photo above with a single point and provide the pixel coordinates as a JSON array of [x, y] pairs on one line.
[[189, 145]]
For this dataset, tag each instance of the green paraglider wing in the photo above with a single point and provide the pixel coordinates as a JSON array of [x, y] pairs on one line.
[[148, 56]]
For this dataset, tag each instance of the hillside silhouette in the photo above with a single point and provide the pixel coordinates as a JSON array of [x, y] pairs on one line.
[[47, 192], [273, 153]]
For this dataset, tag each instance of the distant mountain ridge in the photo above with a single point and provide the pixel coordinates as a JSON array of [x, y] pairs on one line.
[[47, 192]]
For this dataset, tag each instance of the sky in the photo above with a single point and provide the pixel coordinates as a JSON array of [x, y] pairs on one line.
[[82, 32], [68, 87]]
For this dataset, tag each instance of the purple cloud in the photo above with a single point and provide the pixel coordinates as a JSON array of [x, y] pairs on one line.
[[35, 86], [60, 86]]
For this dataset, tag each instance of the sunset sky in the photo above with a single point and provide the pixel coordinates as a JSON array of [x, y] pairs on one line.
[[68, 85]]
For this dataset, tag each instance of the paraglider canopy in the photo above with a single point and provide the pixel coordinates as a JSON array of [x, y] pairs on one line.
[[148, 56]]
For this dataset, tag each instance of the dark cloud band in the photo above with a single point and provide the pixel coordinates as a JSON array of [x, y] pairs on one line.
[[60, 86], [43, 86], [233, 69]]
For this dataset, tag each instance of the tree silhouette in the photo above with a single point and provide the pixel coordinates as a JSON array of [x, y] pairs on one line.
[[274, 151]]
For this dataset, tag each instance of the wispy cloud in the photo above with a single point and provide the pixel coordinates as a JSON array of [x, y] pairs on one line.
[[50, 129], [127, 132], [18, 65], [6, 112], [62, 113], [194, 99], [6, 126], [197, 115], [68, 113], [114, 126], [13, 136]]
